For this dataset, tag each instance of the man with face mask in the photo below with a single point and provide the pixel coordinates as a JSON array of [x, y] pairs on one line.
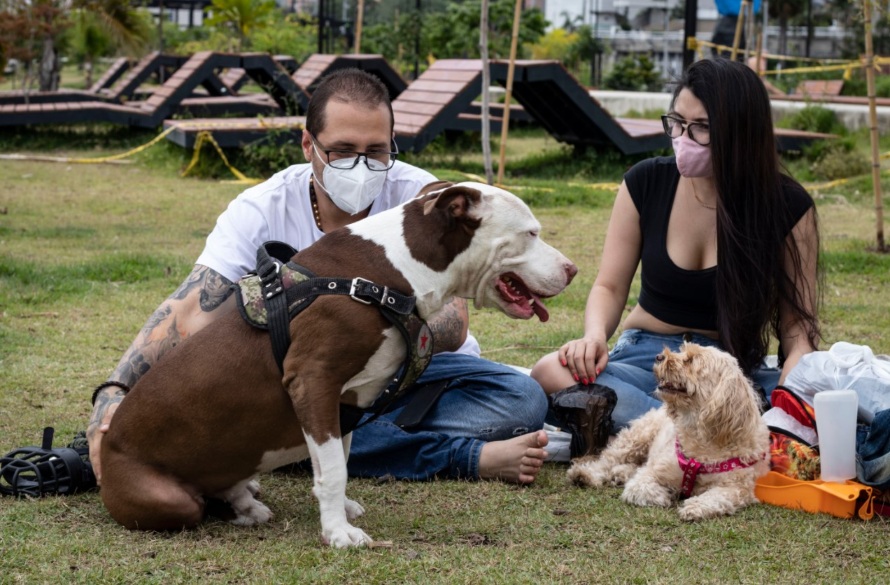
[[482, 426]]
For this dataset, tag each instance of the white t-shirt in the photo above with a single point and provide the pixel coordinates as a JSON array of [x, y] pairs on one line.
[[279, 209]]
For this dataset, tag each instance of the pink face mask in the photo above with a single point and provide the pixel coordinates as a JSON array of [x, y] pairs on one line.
[[693, 159]]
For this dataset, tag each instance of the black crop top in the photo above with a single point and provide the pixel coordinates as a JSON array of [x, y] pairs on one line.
[[684, 298]]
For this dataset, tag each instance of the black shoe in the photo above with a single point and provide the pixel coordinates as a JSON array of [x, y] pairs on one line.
[[585, 412], [42, 471]]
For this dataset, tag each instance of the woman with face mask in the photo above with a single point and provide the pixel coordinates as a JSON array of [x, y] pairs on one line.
[[728, 247]]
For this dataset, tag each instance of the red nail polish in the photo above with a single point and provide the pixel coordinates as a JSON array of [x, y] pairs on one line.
[[585, 381], [577, 379], [598, 371], [564, 363]]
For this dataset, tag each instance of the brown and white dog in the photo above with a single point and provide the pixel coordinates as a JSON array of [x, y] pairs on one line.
[[216, 411], [707, 444]]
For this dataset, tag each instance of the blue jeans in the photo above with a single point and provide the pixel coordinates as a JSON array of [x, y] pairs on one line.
[[629, 372], [873, 452], [484, 401]]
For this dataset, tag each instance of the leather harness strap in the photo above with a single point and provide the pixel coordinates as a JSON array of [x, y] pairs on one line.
[[284, 301]]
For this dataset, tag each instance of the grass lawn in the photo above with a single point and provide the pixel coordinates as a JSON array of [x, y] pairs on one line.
[[88, 251]]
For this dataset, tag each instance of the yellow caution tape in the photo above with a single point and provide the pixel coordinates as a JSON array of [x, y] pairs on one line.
[[205, 136], [838, 182], [112, 158], [773, 57], [828, 185], [598, 186]]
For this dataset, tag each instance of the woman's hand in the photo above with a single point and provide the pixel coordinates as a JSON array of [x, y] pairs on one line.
[[585, 358]]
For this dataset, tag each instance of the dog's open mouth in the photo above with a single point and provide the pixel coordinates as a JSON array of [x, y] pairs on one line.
[[667, 387], [525, 303]]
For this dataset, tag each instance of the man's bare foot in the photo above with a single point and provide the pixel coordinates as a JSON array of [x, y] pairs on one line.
[[517, 460]]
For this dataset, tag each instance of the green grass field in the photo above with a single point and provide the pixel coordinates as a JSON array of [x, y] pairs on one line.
[[88, 251]]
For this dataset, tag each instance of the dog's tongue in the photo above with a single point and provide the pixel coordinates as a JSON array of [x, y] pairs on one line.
[[540, 310], [515, 291]]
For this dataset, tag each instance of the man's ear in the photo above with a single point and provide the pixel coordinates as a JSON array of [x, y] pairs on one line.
[[306, 143]]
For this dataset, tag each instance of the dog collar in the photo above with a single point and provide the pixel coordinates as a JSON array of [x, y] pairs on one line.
[[691, 468]]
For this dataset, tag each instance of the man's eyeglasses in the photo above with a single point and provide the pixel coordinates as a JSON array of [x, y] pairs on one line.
[[699, 132], [377, 160]]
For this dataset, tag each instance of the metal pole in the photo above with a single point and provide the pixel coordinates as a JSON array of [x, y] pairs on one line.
[[765, 8], [505, 123], [880, 244], [486, 94], [161, 28], [667, 26], [321, 19], [689, 31], [809, 27], [417, 42]]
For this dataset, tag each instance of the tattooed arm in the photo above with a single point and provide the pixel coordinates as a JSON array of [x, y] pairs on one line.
[[194, 305], [450, 325]]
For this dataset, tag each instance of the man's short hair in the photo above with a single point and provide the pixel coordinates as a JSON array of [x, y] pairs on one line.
[[347, 86]]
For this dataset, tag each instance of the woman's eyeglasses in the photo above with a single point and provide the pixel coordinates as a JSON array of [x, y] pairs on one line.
[[699, 132]]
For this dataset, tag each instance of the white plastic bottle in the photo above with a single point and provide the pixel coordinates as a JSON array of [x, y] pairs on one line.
[[836, 425]]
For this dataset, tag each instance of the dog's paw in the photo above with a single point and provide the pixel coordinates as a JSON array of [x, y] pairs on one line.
[[252, 514], [346, 536], [253, 486], [646, 493], [621, 474], [707, 505], [353, 509], [587, 474]]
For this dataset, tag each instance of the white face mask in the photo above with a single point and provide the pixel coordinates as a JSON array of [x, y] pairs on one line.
[[352, 190]]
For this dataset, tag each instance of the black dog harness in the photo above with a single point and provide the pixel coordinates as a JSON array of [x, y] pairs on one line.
[[281, 289]]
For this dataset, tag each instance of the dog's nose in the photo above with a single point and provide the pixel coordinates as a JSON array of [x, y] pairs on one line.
[[659, 357], [571, 271]]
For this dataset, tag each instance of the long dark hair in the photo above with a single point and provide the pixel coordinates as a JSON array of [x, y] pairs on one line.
[[753, 213]]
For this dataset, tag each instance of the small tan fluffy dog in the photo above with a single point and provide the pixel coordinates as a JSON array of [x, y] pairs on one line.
[[707, 443]]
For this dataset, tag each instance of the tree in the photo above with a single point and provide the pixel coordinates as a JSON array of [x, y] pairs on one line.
[[454, 32], [105, 26], [28, 32], [240, 17], [785, 10], [35, 30]]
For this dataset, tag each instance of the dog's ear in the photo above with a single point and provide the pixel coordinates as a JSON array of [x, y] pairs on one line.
[[730, 411], [434, 186], [456, 200]]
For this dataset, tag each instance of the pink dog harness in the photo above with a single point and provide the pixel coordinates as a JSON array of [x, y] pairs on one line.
[[691, 468]]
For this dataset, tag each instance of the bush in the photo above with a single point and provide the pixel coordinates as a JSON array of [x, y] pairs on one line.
[[814, 119], [634, 73], [839, 159], [263, 158], [858, 86]]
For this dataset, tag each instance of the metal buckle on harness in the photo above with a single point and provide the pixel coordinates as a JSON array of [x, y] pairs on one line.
[[353, 290], [267, 281]]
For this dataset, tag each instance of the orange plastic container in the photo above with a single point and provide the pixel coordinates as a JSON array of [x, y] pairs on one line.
[[844, 500]]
